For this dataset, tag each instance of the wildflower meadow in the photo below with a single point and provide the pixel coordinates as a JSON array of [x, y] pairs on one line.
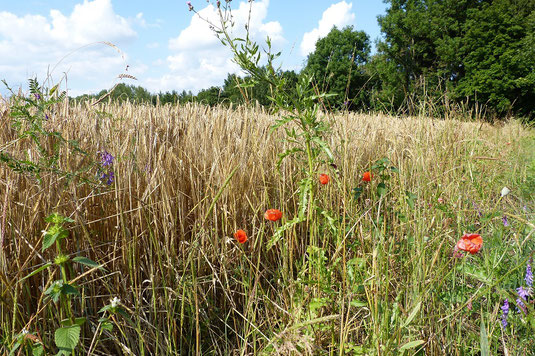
[[181, 229]]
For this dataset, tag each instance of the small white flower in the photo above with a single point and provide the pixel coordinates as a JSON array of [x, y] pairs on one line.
[[505, 191], [24, 331], [115, 302]]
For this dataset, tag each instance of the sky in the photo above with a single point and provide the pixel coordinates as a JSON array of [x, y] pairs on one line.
[[87, 44]]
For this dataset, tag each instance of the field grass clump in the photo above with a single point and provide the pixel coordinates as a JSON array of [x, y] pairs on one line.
[[379, 275]]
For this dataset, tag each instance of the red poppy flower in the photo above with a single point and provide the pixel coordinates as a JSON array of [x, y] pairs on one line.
[[367, 176], [470, 242], [324, 179], [241, 236], [273, 214]]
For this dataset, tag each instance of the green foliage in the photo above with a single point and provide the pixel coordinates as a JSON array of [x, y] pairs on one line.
[[475, 50], [62, 291], [499, 57], [337, 65]]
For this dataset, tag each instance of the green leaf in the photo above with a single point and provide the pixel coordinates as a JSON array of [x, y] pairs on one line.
[[305, 187], [106, 325], [38, 350], [411, 197], [77, 321], [53, 90], [357, 192], [37, 271], [381, 189], [324, 146], [67, 289], [411, 345], [49, 239], [278, 233], [67, 338], [86, 262], [358, 304], [412, 315], [484, 340], [288, 152]]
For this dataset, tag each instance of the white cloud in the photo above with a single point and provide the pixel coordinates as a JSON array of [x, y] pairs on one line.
[[338, 15], [198, 58], [31, 45]]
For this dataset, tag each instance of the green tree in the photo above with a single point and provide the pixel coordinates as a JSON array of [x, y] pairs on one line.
[[337, 65], [498, 54], [433, 49], [211, 96]]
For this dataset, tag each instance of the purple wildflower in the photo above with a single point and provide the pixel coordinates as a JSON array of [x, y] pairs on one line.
[[505, 312], [37, 96], [111, 176], [529, 276], [523, 294], [189, 5], [107, 177], [106, 158], [504, 220]]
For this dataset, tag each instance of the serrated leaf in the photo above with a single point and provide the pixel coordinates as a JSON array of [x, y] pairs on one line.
[[278, 233], [38, 350], [49, 239], [86, 262], [67, 338], [411, 345], [324, 146], [288, 152], [67, 289], [305, 186]]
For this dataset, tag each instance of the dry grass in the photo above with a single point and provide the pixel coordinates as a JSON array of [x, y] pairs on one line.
[[189, 286]]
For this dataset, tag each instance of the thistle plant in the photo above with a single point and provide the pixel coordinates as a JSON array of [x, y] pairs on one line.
[[301, 111]]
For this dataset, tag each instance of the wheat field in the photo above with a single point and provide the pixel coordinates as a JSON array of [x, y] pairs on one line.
[[378, 278]]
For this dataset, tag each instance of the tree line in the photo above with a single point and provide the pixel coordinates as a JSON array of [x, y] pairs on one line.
[[434, 55]]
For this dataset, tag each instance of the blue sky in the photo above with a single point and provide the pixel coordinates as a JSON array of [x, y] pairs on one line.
[[165, 46]]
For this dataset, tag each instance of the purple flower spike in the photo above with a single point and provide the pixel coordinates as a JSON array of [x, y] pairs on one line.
[[523, 293], [505, 312], [106, 158], [111, 176], [529, 276], [505, 222]]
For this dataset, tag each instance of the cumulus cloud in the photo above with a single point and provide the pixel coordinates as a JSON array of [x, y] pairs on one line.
[[198, 59], [31, 45], [338, 15]]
